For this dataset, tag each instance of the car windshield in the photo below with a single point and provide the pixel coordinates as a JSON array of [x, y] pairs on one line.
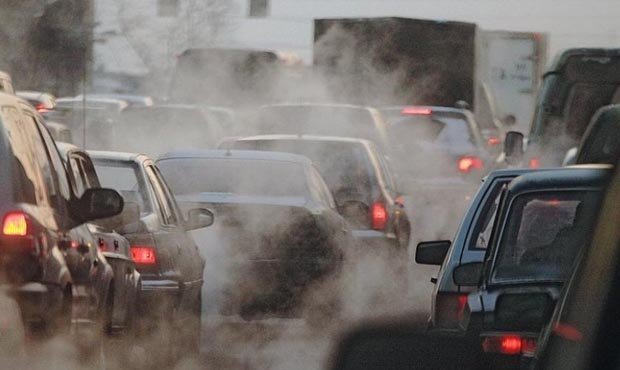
[[125, 178], [237, 176], [316, 120], [544, 234], [345, 166]]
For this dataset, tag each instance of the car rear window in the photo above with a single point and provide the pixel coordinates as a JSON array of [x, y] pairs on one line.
[[543, 236], [235, 176], [125, 178], [316, 120], [449, 130], [343, 165]]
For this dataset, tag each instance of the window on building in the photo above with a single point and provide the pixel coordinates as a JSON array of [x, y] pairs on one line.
[[167, 8], [259, 8]]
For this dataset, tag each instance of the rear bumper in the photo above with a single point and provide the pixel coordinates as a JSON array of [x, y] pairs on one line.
[[37, 302], [158, 297], [373, 239]]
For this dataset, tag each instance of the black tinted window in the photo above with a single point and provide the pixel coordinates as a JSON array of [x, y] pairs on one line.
[[342, 165], [235, 176], [125, 178], [544, 234]]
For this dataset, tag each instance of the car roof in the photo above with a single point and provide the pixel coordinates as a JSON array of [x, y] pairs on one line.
[[116, 156], [560, 60], [303, 137], [434, 108], [28, 94], [319, 105], [77, 101], [583, 176], [164, 106], [65, 148], [236, 154], [510, 172]]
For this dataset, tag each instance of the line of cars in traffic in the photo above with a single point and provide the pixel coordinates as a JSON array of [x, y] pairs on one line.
[[80, 256], [513, 290]]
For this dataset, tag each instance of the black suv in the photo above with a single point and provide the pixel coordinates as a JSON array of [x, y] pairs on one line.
[[470, 244], [38, 210], [545, 219]]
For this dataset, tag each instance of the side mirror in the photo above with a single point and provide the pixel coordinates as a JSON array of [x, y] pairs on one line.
[[468, 274], [404, 346], [432, 253], [513, 147], [198, 218], [96, 204]]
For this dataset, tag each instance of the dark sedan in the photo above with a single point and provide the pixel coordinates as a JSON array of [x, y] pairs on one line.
[[358, 176], [278, 219]]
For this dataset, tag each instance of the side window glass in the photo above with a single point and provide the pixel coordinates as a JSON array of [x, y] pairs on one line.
[[28, 180], [166, 211], [481, 236], [79, 185], [40, 155], [57, 165], [176, 213], [90, 174], [326, 193]]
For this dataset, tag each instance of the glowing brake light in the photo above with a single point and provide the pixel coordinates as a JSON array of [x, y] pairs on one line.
[[509, 345], [378, 216], [15, 224], [41, 108], [535, 162], [143, 255], [468, 163], [493, 141], [416, 111]]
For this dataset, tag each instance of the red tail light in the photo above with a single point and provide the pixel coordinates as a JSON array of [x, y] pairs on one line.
[[15, 224], [416, 111], [493, 141], [449, 309], [468, 163], [142, 255], [378, 216], [41, 108], [509, 345], [535, 162]]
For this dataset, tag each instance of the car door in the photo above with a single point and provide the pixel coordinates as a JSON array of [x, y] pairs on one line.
[[55, 177], [192, 262], [183, 252], [34, 187]]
